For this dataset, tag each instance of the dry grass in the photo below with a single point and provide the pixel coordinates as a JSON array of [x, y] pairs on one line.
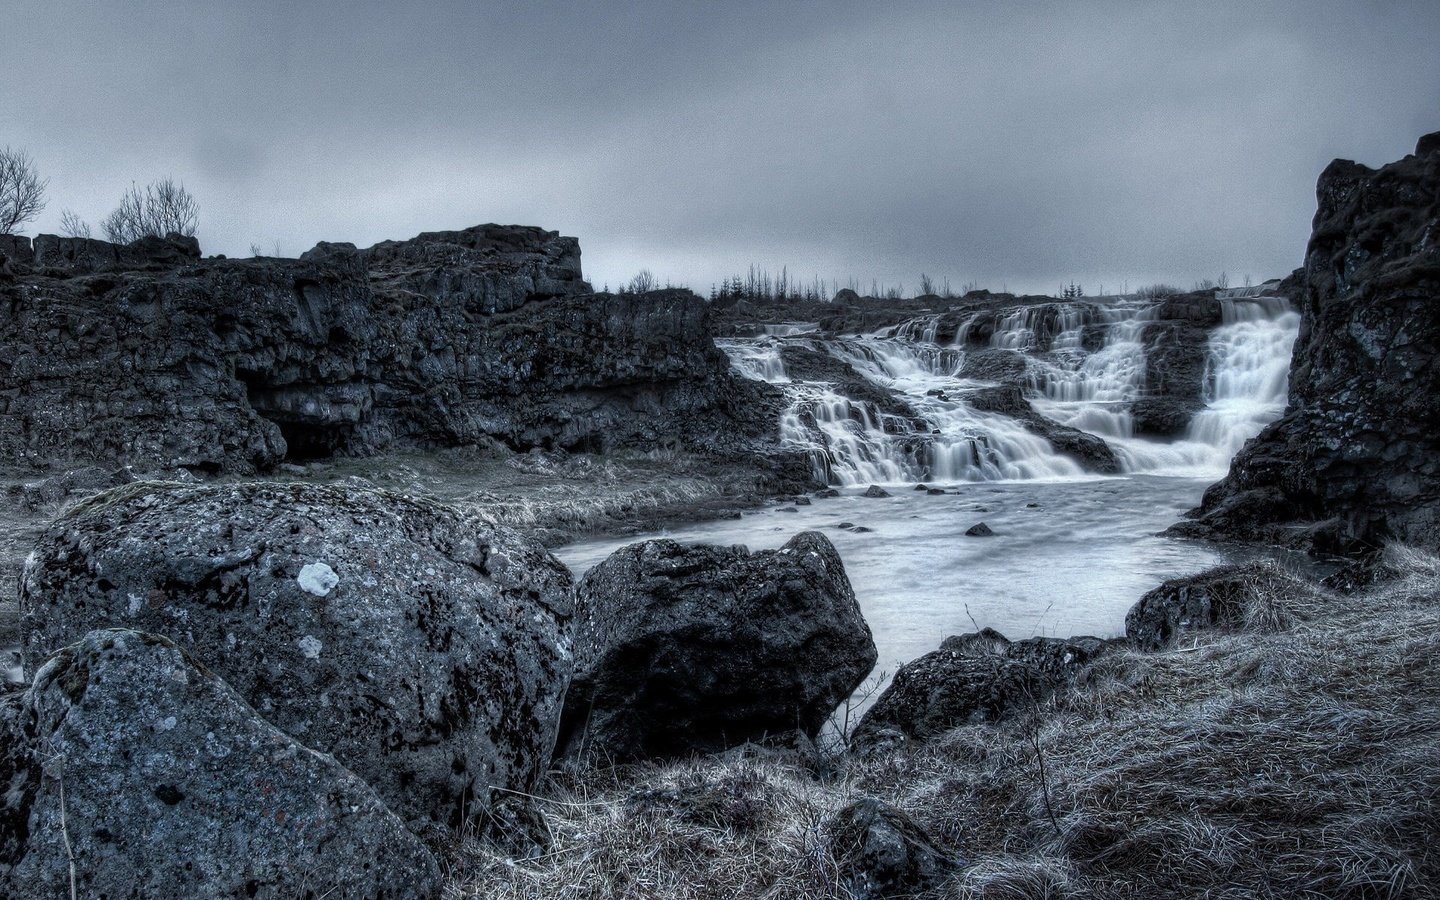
[[1300, 760]]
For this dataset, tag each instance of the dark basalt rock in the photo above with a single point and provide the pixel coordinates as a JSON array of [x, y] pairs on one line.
[[979, 529], [978, 677], [881, 852], [424, 649], [149, 355], [1356, 459], [1175, 366], [875, 492], [684, 649], [165, 783], [1224, 597]]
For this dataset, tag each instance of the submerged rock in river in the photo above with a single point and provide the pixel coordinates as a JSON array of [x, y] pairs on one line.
[[152, 778], [424, 649], [701, 648]]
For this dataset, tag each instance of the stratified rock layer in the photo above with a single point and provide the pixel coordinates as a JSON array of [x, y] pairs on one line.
[[685, 649], [1356, 459], [148, 354], [139, 774], [425, 650]]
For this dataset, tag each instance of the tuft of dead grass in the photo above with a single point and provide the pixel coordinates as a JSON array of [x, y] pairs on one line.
[[1300, 758]]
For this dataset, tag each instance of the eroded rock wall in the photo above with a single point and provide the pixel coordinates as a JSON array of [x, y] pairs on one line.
[[148, 354], [1356, 459]]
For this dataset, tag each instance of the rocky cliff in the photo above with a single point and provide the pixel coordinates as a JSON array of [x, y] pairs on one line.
[[1356, 459], [149, 354]]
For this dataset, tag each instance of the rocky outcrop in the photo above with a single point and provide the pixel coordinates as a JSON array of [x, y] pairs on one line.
[[137, 773], [1236, 596], [425, 650], [147, 354], [1175, 374], [1355, 461], [684, 649], [972, 678]]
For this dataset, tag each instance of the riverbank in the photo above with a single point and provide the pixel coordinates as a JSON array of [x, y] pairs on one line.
[[1300, 759]]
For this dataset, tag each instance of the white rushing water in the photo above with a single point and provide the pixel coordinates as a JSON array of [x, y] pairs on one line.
[[950, 441], [1246, 375], [1072, 550], [1066, 558]]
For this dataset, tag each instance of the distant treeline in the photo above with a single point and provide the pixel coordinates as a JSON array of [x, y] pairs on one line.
[[760, 286]]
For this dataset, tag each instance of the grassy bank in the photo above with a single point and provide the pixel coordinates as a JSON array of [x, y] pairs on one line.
[[1300, 758]]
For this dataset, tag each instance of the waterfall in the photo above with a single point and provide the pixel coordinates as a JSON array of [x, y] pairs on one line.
[[1246, 373], [1093, 392], [946, 440], [756, 360]]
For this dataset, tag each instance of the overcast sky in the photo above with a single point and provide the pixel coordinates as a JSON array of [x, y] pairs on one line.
[[1007, 144]]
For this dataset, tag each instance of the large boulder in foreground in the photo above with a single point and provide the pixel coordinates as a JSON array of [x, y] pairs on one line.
[[158, 781], [972, 678], [683, 649], [1355, 461], [425, 650]]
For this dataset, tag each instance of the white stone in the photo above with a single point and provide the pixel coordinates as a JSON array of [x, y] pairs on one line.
[[317, 578], [310, 646]]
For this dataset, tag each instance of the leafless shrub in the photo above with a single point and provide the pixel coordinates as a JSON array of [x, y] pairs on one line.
[[71, 225], [1157, 292], [163, 207], [642, 282], [22, 190]]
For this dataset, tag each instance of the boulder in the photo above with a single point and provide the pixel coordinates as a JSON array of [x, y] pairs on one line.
[[138, 773], [979, 529], [881, 852], [1225, 597], [424, 649], [972, 678], [875, 492], [685, 649], [1355, 462]]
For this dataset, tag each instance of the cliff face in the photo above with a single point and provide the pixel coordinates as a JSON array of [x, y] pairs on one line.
[[1356, 459], [148, 354]]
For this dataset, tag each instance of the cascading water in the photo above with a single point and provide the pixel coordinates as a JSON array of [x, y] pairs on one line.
[[947, 440], [1093, 392], [758, 360], [1247, 373]]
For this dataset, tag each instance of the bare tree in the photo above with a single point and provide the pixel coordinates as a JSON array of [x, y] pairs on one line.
[[73, 226], [643, 281], [164, 207], [22, 190]]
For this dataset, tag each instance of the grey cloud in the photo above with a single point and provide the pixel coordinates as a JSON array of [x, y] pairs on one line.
[[1023, 144]]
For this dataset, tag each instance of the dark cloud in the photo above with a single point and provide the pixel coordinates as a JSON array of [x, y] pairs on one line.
[[1019, 144]]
